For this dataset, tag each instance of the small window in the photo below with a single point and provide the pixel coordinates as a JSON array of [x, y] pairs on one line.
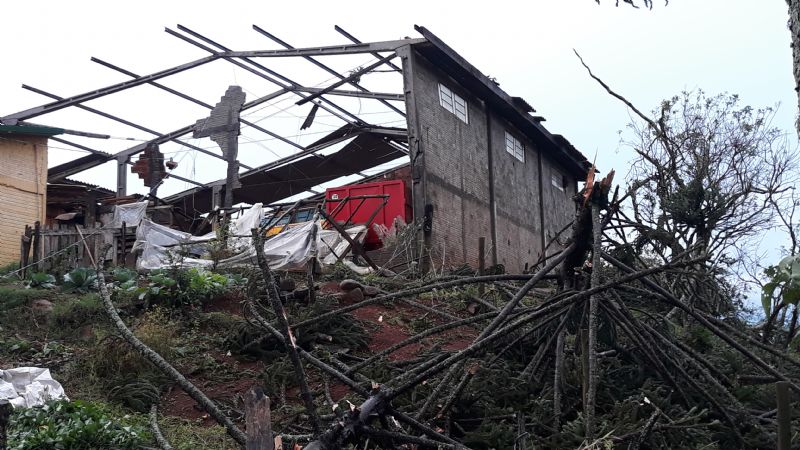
[[515, 147], [460, 108], [453, 103], [558, 181], [446, 97]]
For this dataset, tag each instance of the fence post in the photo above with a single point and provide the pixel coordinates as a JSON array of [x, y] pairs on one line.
[[25, 250], [123, 243], [481, 262], [783, 397], [37, 245], [257, 420]]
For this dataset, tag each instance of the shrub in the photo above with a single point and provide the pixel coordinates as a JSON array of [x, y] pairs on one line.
[[8, 268], [41, 280], [81, 280], [72, 425], [124, 278], [114, 361], [75, 313], [186, 287], [12, 297]]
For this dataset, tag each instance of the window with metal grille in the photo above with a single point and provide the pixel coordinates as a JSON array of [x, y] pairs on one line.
[[558, 181], [515, 147], [453, 103]]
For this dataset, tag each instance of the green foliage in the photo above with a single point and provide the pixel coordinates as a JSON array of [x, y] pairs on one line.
[[14, 297], [784, 284], [189, 287], [72, 425], [114, 361], [8, 268], [41, 280], [124, 278], [80, 280]]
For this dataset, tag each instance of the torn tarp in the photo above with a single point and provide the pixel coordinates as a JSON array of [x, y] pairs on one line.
[[291, 249], [131, 214]]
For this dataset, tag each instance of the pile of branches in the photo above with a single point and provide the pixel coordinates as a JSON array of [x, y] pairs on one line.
[[619, 352]]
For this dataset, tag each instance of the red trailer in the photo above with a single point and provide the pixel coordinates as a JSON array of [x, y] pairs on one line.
[[359, 211]]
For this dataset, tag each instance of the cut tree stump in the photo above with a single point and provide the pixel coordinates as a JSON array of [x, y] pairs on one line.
[[257, 420]]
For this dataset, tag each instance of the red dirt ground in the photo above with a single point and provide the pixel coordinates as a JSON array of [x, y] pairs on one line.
[[381, 323]]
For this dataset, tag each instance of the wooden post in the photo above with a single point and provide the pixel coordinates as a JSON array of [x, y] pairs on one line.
[[25, 250], [124, 243], [481, 263], [37, 245], [86, 246], [257, 420], [5, 414], [783, 397]]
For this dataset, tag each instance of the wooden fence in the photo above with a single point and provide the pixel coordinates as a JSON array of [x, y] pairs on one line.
[[57, 249]]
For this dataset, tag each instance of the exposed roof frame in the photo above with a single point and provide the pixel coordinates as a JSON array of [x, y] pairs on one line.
[[324, 67], [12, 119], [263, 72], [126, 122]]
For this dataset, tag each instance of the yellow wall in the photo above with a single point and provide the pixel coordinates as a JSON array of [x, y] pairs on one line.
[[23, 187]]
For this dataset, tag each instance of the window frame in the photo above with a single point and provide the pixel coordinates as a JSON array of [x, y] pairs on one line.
[[453, 103], [515, 147]]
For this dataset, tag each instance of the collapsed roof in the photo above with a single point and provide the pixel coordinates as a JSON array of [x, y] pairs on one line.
[[279, 161]]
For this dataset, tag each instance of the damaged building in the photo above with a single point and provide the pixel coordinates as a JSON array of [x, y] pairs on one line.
[[476, 165]]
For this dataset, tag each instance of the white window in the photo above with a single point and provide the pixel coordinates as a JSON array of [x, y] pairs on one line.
[[515, 147], [453, 103], [558, 181]]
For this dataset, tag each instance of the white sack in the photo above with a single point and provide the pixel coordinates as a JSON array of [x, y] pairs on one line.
[[25, 387]]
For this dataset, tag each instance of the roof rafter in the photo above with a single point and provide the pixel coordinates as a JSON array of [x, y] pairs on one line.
[[324, 67], [12, 119]]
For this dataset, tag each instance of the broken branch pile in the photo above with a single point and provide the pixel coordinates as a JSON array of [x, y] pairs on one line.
[[621, 351]]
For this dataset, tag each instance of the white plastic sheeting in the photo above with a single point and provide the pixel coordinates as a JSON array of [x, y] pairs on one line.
[[290, 250], [25, 387], [132, 214]]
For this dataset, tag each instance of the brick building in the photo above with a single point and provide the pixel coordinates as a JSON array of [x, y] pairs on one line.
[[482, 165], [23, 183]]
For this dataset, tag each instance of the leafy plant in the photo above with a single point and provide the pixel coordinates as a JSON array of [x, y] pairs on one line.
[[81, 280], [186, 287], [41, 280], [784, 284], [124, 278], [72, 425]]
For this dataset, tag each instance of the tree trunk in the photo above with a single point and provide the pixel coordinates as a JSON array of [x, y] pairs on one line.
[[794, 29]]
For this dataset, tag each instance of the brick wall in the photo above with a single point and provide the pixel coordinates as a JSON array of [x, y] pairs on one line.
[[456, 168], [23, 186], [466, 195]]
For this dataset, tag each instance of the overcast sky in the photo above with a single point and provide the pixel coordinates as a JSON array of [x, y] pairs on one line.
[[738, 46]]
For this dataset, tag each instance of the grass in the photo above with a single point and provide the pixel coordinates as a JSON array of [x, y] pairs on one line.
[[12, 297], [90, 360], [185, 434], [73, 313]]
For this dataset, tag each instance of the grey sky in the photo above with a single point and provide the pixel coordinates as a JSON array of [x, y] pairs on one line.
[[739, 46]]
